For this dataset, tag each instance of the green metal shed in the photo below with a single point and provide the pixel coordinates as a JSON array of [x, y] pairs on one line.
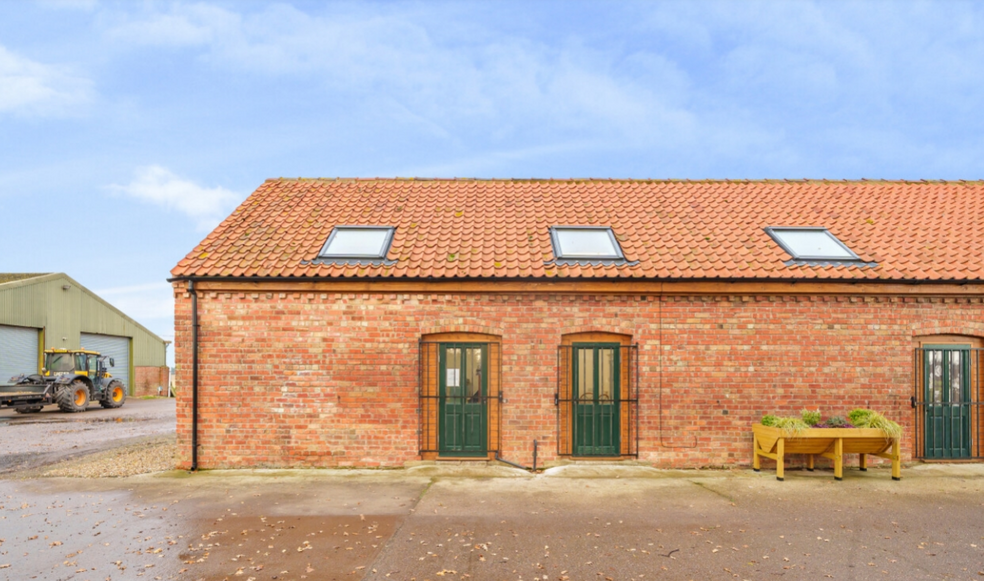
[[41, 311]]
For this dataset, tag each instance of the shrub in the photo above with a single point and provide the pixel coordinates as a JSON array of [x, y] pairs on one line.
[[769, 420], [837, 422]]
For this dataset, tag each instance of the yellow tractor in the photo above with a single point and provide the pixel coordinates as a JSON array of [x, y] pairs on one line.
[[70, 378]]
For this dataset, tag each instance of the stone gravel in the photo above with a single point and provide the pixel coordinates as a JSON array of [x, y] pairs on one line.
[[31, 443], [141, 457]]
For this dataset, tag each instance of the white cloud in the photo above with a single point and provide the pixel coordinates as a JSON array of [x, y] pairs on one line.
[[158, 185], [395, 59], [29, 87], [764, 83]]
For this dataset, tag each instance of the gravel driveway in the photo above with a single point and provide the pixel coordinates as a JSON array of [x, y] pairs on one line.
[[31, 441]]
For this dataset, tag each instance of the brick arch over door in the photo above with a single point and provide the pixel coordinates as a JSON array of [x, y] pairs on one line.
[[622, 328], [458, 326], [430, 344], [972, 329]]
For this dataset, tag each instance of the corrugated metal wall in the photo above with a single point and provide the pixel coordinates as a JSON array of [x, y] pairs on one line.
[[116, 347], [65, 314], [99, 318]]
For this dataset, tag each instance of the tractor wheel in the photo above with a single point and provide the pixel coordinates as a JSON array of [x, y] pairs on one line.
[[30, 410], [115, 395], [74, 397]]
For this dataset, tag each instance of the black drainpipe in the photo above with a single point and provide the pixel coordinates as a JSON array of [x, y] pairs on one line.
[[501, 459], [194, 375]]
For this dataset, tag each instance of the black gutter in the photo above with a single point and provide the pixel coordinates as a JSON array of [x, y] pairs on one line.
[[364, 279], [194, 375]]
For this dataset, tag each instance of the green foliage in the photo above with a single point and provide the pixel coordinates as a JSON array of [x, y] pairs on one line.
[[811, 417], [862, 418], [859, 416], [769, 420], [886, 425], [837, 422], [791, 427]]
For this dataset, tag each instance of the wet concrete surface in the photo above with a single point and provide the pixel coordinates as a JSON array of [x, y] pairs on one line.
[[30, 441], [326, 524]]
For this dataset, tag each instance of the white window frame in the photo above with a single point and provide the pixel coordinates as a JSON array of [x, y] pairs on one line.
[[384, 249], [561, 255], [775, 232]]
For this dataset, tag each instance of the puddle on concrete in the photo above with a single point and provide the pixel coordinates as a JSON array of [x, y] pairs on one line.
[[285, 547]]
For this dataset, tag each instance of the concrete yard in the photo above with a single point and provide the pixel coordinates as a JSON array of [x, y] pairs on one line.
[[439, 522]]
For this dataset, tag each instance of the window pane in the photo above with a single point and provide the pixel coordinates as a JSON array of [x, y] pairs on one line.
[[935, 364], [606, 374], [813, 243], [473, 385], [956, 376], [585, 242], [357, 242], [452, 372], [585, 375]]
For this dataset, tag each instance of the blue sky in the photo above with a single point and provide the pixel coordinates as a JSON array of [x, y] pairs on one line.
[[128, 130]]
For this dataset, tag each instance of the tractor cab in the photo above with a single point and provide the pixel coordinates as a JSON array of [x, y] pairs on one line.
[[76, 362]]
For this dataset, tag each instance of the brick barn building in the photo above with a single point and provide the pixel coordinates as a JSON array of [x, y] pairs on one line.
[[371, 322]]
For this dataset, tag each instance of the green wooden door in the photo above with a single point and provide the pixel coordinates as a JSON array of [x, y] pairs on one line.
[[463, 409], [946, 384], [596, 399]]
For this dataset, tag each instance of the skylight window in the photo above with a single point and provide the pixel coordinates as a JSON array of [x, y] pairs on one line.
[[358, 242], [811, 244], [586, 242]]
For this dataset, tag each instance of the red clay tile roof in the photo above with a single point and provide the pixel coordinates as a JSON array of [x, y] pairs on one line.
[[667, 229]]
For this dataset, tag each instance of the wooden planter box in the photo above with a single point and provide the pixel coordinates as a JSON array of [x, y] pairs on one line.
[[830, 443]]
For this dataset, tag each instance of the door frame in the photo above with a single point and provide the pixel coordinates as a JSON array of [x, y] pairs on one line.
[[965, 451], [443, 397], [595, 347]]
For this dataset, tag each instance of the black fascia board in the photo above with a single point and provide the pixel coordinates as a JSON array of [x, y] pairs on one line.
[[732, 280]]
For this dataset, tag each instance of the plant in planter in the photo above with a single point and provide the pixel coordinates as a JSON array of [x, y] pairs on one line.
[[867, 433], [790, 427], [811, 417], [835, 422], [864, 418]]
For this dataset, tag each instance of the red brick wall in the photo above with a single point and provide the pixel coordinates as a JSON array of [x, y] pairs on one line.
[[147, 380], [325, 379]]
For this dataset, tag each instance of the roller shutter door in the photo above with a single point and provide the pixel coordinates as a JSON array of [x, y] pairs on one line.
[[116, 347], [18, 351]]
